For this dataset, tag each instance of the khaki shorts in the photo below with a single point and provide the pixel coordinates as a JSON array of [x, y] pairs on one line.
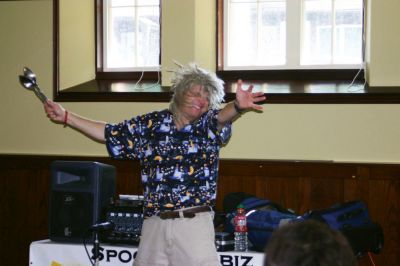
[[178, 242]]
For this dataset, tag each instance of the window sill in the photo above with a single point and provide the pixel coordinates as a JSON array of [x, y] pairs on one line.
[[277, 92]]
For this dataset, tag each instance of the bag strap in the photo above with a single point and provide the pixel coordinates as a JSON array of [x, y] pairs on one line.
[[358, 207], [255, 203]]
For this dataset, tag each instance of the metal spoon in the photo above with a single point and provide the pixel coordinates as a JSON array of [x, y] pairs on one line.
[[28, 81]]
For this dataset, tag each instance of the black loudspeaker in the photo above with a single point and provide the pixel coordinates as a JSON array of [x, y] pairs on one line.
[[80, 193]]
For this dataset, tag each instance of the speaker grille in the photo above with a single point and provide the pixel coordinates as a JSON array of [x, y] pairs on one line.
[[71, 216]]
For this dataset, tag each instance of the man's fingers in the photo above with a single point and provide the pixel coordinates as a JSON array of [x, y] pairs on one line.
[[239, 84]]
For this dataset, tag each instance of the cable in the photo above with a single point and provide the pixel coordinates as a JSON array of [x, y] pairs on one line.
[[87, 252], [140, 79], [352, 82], [158, 76], [371, 259], [154, 84]]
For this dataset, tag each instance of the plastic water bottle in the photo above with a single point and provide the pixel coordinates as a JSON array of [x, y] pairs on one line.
[[240, 223]]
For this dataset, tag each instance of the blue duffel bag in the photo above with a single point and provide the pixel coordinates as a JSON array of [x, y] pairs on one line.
[[353, 220], [263, 217]]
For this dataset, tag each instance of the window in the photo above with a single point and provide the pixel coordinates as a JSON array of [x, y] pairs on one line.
[[293, 34], [107, 50], [131, 35], [128, 41]]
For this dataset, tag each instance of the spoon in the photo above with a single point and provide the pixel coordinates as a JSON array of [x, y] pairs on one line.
[[28, 81]]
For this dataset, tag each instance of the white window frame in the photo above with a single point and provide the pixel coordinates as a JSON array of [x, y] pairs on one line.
[[294, 11]]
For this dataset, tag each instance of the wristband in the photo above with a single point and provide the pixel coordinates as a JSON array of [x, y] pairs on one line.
[[237, 108], [65, 118]]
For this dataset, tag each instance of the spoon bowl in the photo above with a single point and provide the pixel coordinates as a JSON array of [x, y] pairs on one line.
[[26, 82]]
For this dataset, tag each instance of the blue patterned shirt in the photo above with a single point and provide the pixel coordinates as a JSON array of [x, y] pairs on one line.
[[179, 168]]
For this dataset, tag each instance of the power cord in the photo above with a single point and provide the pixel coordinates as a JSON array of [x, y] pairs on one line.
[[151, 85], [87, 252], [352, 82], [158, 76], [140, 79]]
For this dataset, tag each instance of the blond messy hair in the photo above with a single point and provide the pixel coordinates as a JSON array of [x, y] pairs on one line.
[[190, 75]]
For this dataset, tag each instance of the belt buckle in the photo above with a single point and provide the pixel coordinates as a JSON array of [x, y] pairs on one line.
[[187, 214]]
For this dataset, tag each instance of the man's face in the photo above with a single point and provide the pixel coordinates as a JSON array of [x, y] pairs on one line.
[[195, 103]]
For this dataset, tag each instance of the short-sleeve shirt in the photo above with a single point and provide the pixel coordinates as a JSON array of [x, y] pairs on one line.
[[179, 168]]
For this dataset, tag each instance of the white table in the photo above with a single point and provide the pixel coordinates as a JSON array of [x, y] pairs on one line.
[[46, 252]]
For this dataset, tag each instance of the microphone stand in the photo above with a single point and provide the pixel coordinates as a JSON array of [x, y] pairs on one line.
[[96, 247], [96, 228]]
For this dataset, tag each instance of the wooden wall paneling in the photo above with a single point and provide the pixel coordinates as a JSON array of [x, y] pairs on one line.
[[260, 187], [38, 197], [272, 189], [226, 185], [384, 206], [249, 184], [355, 188], [279, 190], [325, 191], [22, 217], [5, 207], [267, 187], [128, 180], [290, 197]]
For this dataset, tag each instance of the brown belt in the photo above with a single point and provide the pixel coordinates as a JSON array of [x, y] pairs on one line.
[[184, 213]]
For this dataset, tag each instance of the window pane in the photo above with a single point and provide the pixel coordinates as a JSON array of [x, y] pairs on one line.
[[317, 32], [332, 32], [256, 34], [348, 24], [133, 34]]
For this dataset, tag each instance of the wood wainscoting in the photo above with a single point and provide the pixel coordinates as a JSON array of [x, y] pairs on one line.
[[299, 185]]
